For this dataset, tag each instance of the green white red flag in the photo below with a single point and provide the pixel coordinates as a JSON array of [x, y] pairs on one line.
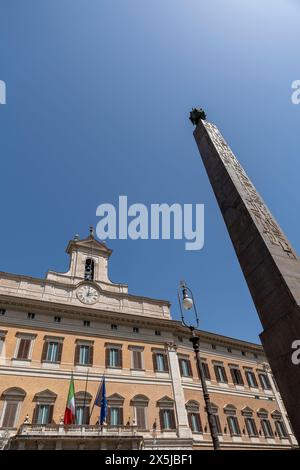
[[70, 412]]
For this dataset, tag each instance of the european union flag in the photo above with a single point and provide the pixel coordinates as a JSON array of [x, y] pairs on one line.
[[101, 401]]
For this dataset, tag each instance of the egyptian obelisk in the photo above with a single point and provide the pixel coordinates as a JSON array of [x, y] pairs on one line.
[[269, 263]]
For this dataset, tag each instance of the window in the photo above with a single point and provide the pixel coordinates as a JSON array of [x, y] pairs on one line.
[[84, 354], [218, 424], [2, 311], [213, 346], [43, 412], [220, 372], [266, 427], [180, 339], [206, 370], [264, 381], [195, 422], [157, 333], [233, 425], [114, 356], [86, 323], [185, 367], [83, 401], [52, 349], [140, 404], [137, 361], [13, 398], [251, 379], [30, 316], [236, 376], [115, 410], [82, 414], [251, 427], [243, 353], [24, 348], [135, 329], [114, 327], [229, 350], [167, 419], [281, 429], [89, 269], [160, 362], [57, 319]]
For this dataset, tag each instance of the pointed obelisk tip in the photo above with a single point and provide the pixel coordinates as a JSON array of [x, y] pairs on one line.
[[196, 115]]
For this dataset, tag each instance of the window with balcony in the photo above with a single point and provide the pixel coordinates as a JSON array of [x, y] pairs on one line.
[[140, 405], [83, 401], [115, 410], [12, 399], [43, 412]]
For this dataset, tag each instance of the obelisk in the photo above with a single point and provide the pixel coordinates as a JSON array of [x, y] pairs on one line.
[[269, 263]]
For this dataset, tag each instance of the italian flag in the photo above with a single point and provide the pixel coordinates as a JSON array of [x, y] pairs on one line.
[[70, 415]]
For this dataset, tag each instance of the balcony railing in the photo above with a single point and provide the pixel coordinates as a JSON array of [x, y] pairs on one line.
[[76, 430]]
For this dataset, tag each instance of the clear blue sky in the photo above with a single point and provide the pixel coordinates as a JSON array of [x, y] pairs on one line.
[[98, 95]]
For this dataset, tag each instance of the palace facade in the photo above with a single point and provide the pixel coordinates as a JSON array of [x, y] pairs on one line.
[[81, 322]]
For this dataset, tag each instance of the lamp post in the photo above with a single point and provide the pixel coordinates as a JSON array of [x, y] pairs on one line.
[[187, 301]]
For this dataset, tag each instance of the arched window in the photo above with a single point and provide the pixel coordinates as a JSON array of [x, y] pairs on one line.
[[13, 398], [115, 404], [83, 401], [263, 414], [89, 269], [140, 405], [232, 421]]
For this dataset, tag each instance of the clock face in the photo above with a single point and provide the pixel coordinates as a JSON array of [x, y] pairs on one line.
[[87, 294]]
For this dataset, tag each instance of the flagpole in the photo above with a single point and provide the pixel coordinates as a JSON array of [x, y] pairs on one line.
[[84, 401]]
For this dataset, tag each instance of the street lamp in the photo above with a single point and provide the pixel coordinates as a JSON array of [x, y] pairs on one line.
[[186, 299]]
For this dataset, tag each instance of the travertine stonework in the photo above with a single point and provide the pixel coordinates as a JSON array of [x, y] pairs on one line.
[[269, 263]]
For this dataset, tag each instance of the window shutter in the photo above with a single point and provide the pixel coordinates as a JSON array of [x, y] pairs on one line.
[[199, 422], [108, 417], [166, 363], [50, 415], [45, 349], [10, 415], [140, 417], [35, 414], [248, 426], [206, 370], [91, 355], [217, 373], [225, 375], [172, 416], [120, 358], [154, 362], [77, 352], [121, 416], [240, 377], [161, 419], [233, 375], [180, 367], [107, 357], [59, 351], [190, 420], [254, 379], [218, 424]]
